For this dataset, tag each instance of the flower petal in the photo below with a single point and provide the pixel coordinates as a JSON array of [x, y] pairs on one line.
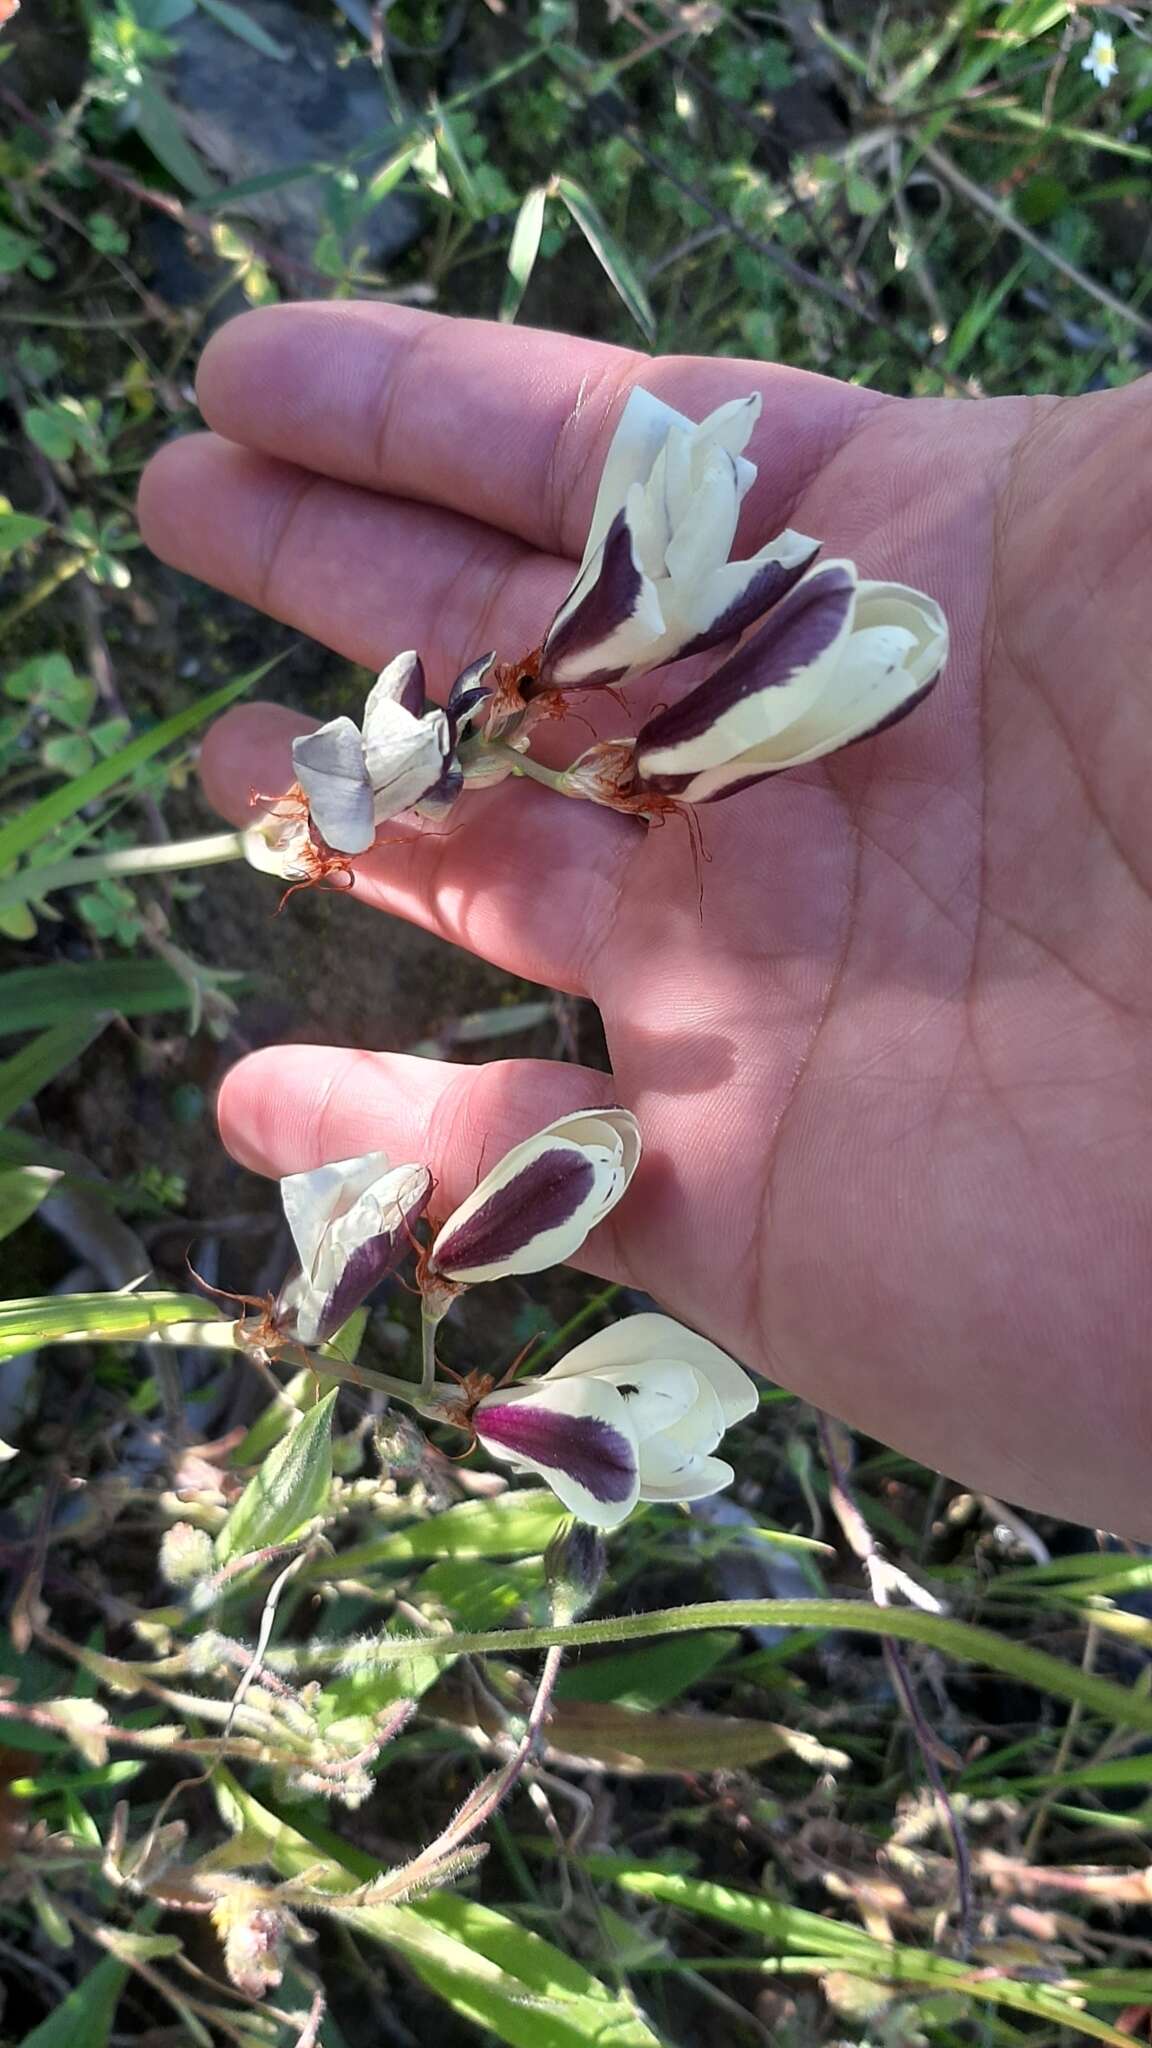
[[538, 1204], [405, 757], [668, 1472], [312, 1201], [351, 1223], [610, 617], [641, 1342], [702, 538], [765, 685], [402, 682], [640, 434], [330, 769], [733, 597], [576, 1436]]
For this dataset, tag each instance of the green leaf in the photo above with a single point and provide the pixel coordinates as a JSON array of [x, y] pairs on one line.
[[22, 1189], [485, 1593], [497, 1974], [18, 922], [634, 1739], [523, 250], [52, 432], [70, 753], [157, 122], [814, 1944], [87, 2013], [43, 817], [15, 249], [291, 1487], [45, 1056], [31, 997], [612, 258], [649, 1678], [16, 530], [95, 1318], [515, 1525], [238, 24], [389, 175]]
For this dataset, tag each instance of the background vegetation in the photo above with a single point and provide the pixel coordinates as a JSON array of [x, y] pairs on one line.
[[881, 1774]]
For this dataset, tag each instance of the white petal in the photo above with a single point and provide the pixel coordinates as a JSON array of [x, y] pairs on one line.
[[330, 769], [703, 536], [402, 682], [314, 1199], [405, 756], [609, 637], [730, 426], [695, 608], [640, 434], [279, 846], [669, 1473], [657, 1394], [577, 1436], [640, 1341]]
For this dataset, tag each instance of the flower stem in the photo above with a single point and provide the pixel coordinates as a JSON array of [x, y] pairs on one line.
[[32, 883], [428, 1328], [523, 764]]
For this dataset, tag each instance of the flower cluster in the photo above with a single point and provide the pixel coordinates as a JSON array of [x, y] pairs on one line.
[[809, 658], [634, 1413]]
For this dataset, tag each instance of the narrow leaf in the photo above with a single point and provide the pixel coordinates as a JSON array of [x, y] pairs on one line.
[[32, 997], [290, 1488], [80, 1318], [238, 24], [22, 1189], [651, 1677], [514, 1525], [86, 2015], [523, 250], [41, 818], [158, 124], [45, 1056], [616, 264]]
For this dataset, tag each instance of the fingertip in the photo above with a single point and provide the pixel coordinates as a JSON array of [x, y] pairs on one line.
[[247, 754]]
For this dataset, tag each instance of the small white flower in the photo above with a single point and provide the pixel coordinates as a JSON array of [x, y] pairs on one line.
[[539, 1203], [633, 1414], [357, 779], [280, 842], [1101, 58], [655, 583], [351, 1224], [836, 661]]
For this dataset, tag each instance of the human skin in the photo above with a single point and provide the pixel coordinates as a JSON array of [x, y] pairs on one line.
[[894, 1074]]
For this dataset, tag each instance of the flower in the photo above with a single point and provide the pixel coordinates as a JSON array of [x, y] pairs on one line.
[[355, 780], [655, 583], [838, 660], [539, 1203], [281, 842], [633, 1414], [1101, 58], [351, 1223]]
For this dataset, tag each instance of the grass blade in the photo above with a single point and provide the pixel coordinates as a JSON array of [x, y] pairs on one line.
[[33, 997], [523, 250], [95, 1318], [41, 818], [39, 1062], [617, 265]]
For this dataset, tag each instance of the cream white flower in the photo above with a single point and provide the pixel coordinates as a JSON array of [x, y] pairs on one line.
[[351, 1224], [539, 1203], [280, 842], [357, 779], [1101, 59], [633, 1414], [655, 582], [837, 660]]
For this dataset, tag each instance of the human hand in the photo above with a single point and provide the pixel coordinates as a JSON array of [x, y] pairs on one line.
[[895, 1080]]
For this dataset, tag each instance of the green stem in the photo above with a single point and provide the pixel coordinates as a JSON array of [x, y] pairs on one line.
[[61, 574], [32, 883], [523, 764], [428, 1328], [959, 1639], [222, 1336]]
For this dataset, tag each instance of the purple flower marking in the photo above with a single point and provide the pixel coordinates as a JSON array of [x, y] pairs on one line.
[[544, 1194], [606, 604], [591, 1452]]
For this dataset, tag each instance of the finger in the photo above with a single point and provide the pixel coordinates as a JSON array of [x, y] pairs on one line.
[[504, 424], [292, 1107], [525, 878], [364, 574]]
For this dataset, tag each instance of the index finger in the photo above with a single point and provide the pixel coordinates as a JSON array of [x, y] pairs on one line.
[[509, 425]]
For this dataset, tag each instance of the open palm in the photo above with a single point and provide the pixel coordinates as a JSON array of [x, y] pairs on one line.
[[895, 1081]]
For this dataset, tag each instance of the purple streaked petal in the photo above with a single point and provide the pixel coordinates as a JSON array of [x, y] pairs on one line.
[[369, 1264], [607, 602], [592, 1453], [771, 583], [468, 680], [546, 1193], [802, 628]]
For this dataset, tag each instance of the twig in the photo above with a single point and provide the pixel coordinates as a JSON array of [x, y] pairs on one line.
[[884, 1579], [975, 194]]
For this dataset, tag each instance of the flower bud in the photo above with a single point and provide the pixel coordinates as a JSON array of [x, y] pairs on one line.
[[351, 1223], [574, 1566]]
